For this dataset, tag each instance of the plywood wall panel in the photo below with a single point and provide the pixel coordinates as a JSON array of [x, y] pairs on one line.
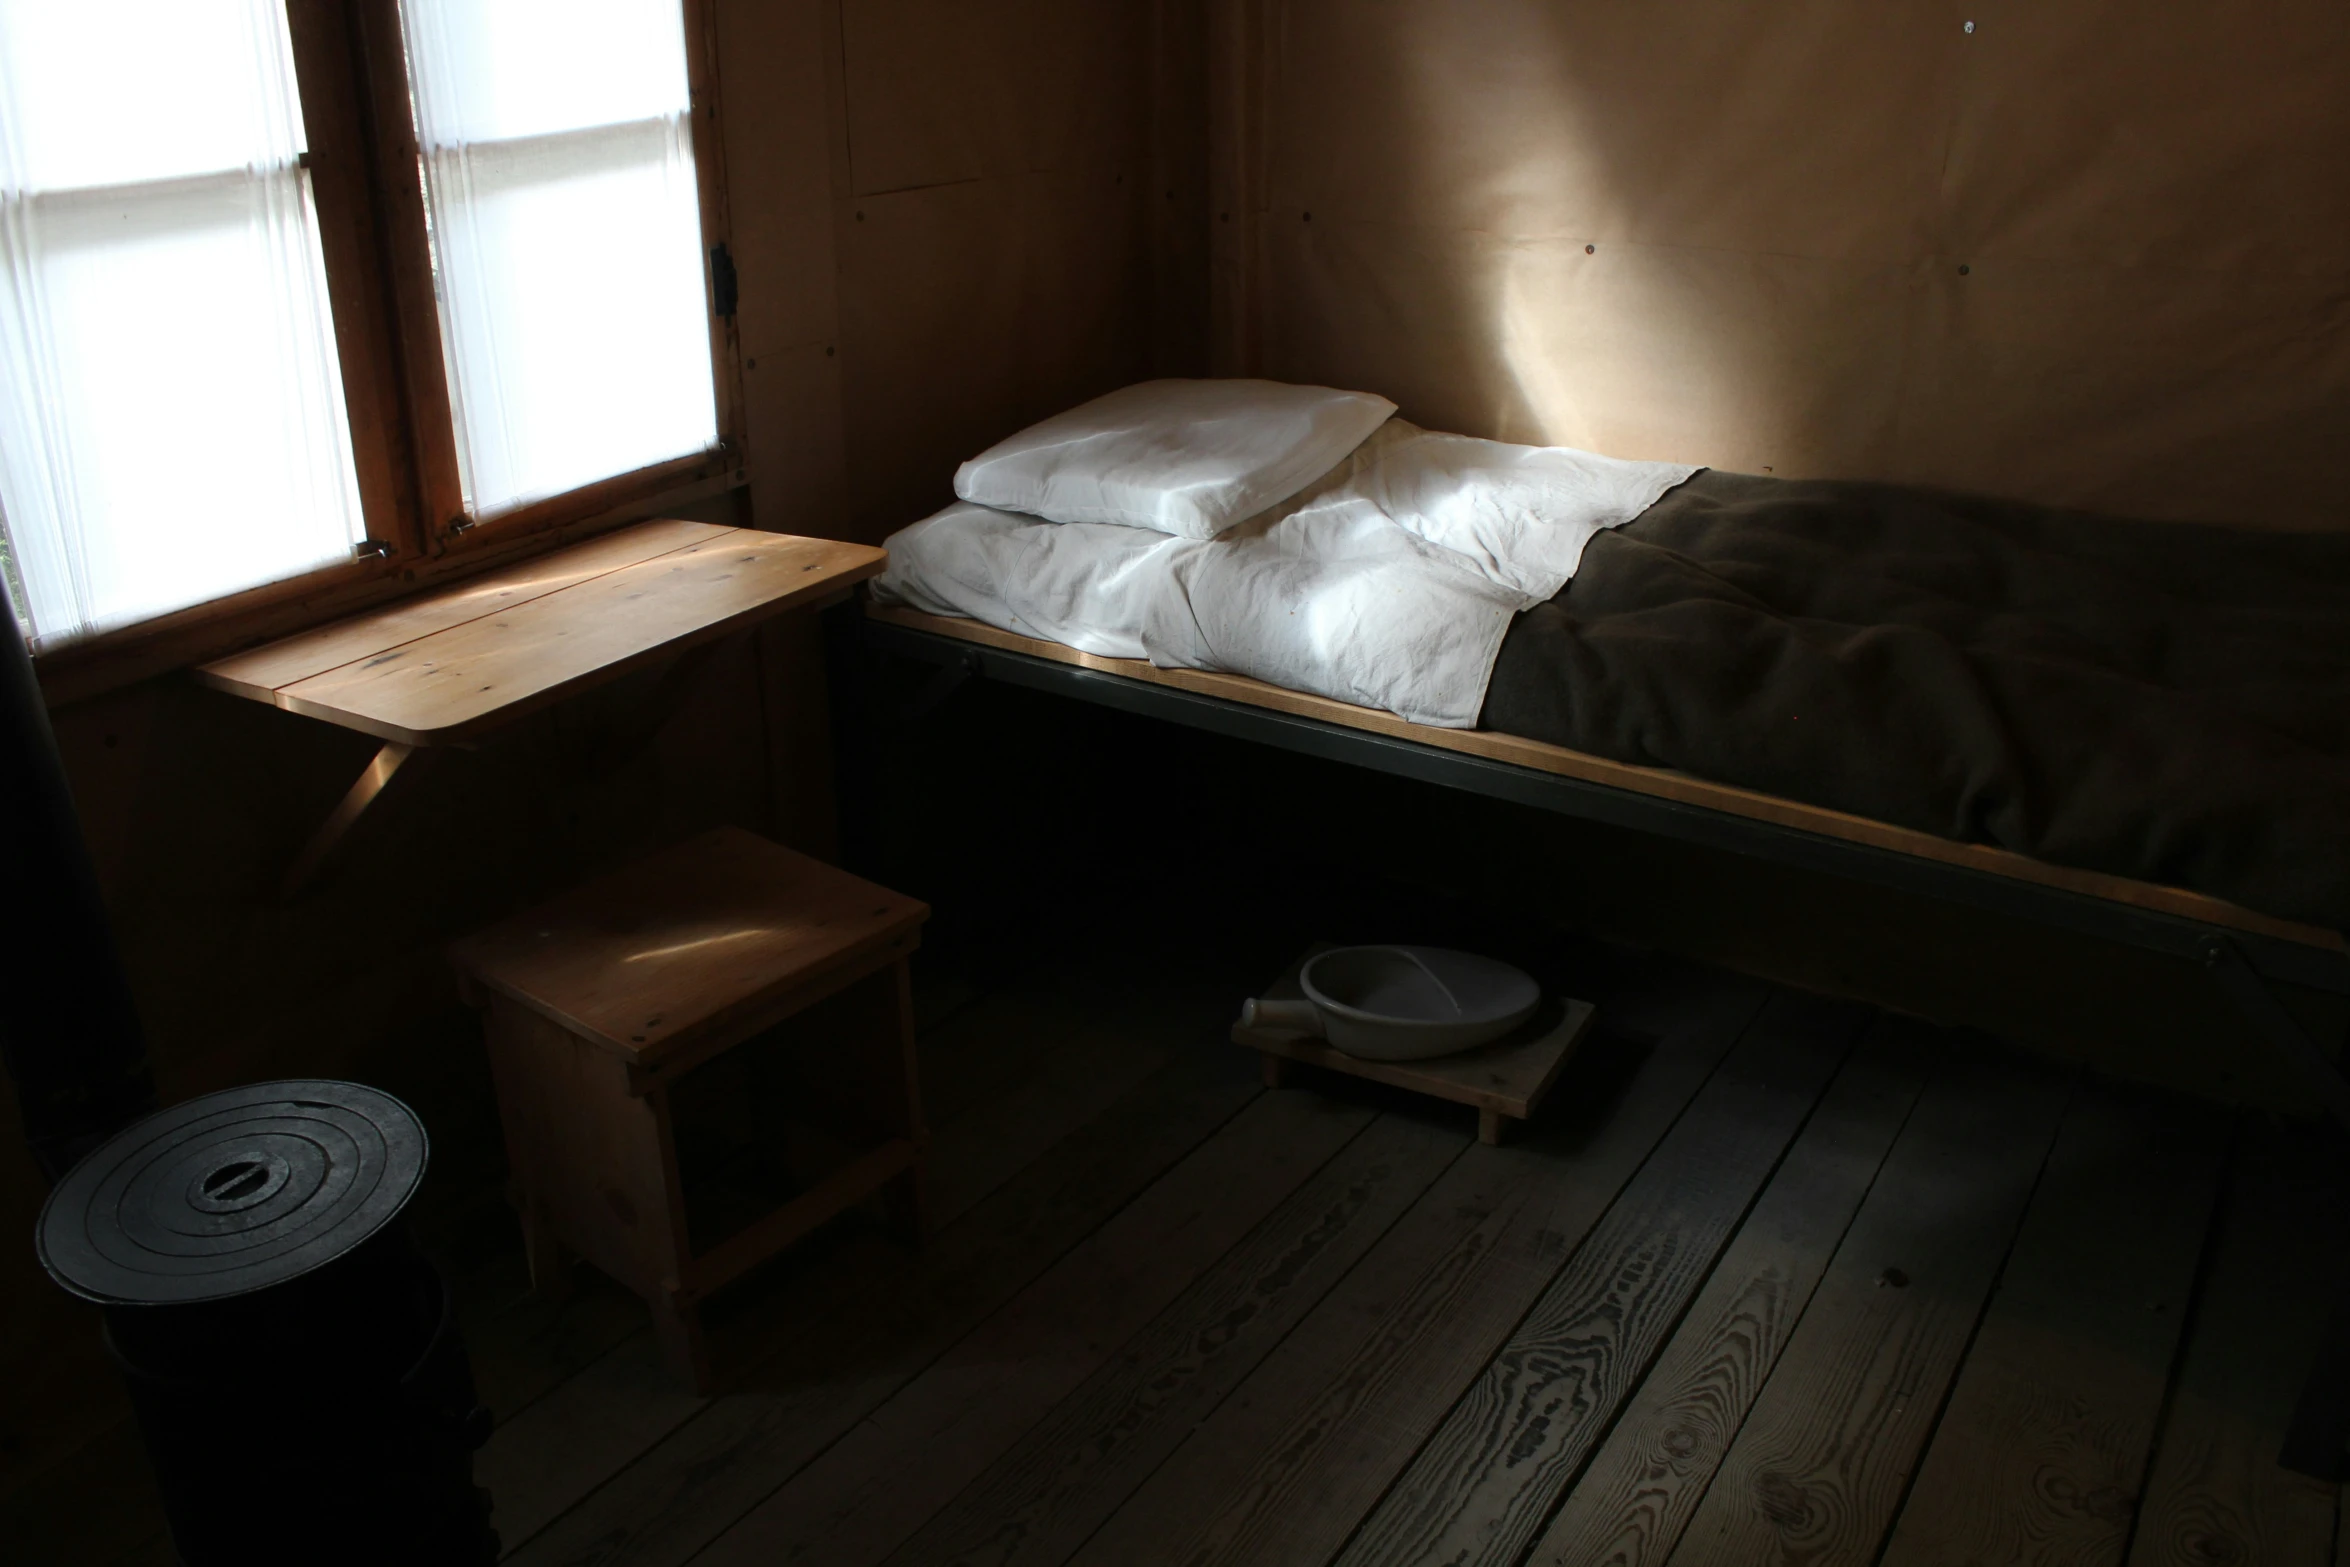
[[948, 90], [1176, 193], [972, 309], [2152, 201], [798, 461], [2203, 137], [779, 132], [1643, 351], [2132, 390], [1086, 296], [930, 331], [993, 250], [778, 96], [1809, 127]]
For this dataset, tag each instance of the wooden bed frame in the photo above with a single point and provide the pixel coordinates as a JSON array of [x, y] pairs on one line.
[[1654, 782], [2245, 951]]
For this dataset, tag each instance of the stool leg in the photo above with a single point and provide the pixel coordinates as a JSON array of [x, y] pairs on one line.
[[1275, 1069], [1490, 1126], [677, 1328]]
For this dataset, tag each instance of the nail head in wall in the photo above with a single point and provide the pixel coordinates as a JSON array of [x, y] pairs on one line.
[[860, 217], [1964, 269], [1309, 217], [1766, 467], [1223, 217], [1591, 250], [750, 364], [1970, 27], [828, 350]]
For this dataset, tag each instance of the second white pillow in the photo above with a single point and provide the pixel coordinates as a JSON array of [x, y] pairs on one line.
[[1190, 458]]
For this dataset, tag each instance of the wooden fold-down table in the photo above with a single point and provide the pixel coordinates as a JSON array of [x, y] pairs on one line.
[[450, 668]]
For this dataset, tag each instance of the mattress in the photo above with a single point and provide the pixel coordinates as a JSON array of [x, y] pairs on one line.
[[2162, 701]]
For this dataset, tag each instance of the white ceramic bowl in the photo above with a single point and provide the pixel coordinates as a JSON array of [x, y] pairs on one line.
[[1410, 1003]]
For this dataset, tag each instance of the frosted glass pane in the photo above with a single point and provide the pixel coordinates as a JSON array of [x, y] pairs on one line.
[[171, 414], [567, 245], [105, 92], [487, 70]]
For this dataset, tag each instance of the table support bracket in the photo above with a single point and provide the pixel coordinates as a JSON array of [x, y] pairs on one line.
[[327, 842]]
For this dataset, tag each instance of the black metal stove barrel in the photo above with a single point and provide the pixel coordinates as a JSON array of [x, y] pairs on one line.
[[293, 1359]]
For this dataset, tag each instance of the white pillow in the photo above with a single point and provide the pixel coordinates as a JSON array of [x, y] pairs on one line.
[[1189, 458]]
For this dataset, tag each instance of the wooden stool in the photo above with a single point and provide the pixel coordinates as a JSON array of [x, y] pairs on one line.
[[604, 1003]]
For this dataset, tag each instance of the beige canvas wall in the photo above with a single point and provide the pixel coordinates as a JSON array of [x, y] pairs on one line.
[[2089, 252]]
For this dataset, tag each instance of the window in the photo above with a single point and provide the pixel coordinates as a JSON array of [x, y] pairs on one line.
[[467, 298], [559, 176], [173, 426]]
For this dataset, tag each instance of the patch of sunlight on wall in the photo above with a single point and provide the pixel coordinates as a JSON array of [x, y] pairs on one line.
[[1578, 335]]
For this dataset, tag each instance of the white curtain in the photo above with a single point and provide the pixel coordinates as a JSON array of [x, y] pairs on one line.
[[171, 410], [566, 234]]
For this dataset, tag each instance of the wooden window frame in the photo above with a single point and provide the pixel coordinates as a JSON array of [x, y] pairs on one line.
[[350, 66]]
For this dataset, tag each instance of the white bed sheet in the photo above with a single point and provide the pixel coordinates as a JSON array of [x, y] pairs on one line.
[[1389, 582]]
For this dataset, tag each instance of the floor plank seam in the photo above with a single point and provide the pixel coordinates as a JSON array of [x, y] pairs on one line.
[[1534, 1299], [1795, 1320], [509, 1548], [743, 1373], [2206, 1266], [1272, 1350], [2077, 1094], [719, 1537], [818, 1454], [1664, 1343]]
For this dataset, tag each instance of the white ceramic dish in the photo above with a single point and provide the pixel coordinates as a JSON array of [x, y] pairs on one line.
[[1402, 1003]]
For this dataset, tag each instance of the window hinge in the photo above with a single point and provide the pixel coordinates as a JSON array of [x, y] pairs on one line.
[[459, 525], [723, 284], [375, 549]]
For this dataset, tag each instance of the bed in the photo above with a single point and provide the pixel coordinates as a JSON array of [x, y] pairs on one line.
[[2132, 730]]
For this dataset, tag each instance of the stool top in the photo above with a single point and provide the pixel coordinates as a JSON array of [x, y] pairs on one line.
[[650, 957]]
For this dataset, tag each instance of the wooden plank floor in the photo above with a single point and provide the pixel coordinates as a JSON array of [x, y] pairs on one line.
[[1770, 1280]]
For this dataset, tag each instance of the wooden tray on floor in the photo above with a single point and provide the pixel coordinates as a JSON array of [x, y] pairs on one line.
[[1503, 1081]]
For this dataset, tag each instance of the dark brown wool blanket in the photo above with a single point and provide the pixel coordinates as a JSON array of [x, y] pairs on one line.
[[2159, 700]]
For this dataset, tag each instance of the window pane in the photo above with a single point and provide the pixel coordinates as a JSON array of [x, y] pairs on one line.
[[171, 416], [105, 92], [566, 234], [488, 70]]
